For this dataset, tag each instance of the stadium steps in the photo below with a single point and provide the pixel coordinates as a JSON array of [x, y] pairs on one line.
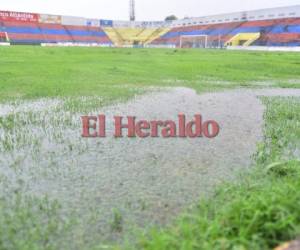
[[156, 34], [243, 39], [130, 36], [234, 27], [229, 35], [141, 32], [121, 36], [114, 36], [125, 36], [252, 40], [144, 36], [45, 39], [68, 32], [267, 37], [2, 27]]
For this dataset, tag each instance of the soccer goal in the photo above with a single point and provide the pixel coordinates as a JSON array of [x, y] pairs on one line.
[[194, 41], [4, 37]]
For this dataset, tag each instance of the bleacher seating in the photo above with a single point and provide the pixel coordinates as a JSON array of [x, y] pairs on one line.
[[277, 32], [30, 28], [131, 36], [36, 33]]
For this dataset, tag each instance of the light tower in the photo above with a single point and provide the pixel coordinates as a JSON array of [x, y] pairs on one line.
[[132, 10]]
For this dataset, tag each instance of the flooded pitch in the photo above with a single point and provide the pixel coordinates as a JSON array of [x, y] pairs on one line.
[[135, 181]]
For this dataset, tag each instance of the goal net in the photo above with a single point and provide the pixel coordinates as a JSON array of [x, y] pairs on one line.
[[202, 41], [3, 37], [194, 41]]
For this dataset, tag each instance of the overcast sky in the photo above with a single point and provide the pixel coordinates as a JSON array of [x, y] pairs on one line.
[[145, 9]]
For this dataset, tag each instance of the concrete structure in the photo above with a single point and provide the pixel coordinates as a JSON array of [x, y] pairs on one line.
[[268, 27]]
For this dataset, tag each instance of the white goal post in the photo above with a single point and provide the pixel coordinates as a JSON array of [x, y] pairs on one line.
[[4, 37], [194, 41], [202, 41]]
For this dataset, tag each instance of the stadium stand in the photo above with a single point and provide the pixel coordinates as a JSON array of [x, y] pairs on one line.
[[114, 36], [134, 36], [34, 31], [25, 33], [280, 32], [270, 27], [243, 39]]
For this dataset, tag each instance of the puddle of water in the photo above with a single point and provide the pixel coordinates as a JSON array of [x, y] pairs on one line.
[[23, 106], [148, 181]]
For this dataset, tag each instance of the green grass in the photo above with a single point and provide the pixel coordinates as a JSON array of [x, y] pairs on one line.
[[35, 72], [259, 212], [262, 210], [29, 223]]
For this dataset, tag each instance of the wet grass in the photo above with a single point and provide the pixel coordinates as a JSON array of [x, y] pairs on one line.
[[257, 213], [35, 72], [262, 210], [31, 223]]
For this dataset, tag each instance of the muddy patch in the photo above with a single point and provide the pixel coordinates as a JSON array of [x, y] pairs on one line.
[[134, 181]]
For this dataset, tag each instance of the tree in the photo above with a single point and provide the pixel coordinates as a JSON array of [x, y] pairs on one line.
[[171, 18]]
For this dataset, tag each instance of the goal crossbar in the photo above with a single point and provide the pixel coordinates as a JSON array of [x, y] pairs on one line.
[[194, 38]]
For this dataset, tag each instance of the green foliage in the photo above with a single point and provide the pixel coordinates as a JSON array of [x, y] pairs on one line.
[[171, 18]]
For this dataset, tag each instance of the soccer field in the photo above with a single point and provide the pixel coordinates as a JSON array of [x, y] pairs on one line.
[[61, 191], [35, 72]]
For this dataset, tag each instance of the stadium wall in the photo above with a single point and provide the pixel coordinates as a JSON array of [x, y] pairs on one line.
[[4, 44], [255, 15], [70, 20], [44, 18], [263, 48]]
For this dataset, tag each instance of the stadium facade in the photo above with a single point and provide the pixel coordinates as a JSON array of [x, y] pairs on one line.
[[268, 27]]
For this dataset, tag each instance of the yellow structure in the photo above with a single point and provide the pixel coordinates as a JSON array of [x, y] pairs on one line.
[[134, 36], [114, 36], [157, 33], [243, 39]]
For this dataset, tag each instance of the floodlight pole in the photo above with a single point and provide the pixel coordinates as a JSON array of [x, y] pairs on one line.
[[132, 10]]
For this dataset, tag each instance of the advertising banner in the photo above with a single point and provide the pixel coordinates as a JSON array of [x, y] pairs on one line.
[[18, 16], [70, 20], [93, 22], [50, 19], [107, 23]]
